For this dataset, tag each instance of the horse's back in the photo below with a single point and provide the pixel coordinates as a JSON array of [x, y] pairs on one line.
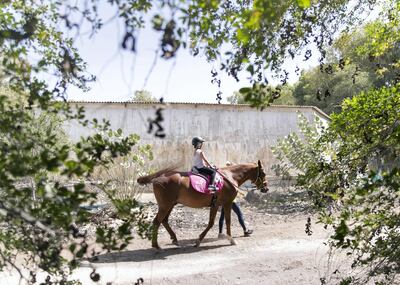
[[173, 188]]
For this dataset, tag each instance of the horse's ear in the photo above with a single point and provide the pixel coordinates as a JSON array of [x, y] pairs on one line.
[[259, 164]]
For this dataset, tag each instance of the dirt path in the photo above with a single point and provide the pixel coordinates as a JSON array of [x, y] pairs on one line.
[[278, 252]]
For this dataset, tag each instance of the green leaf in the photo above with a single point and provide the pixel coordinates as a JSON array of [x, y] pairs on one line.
[[304, 3], [242, 36], [341, 232], [245, 90]]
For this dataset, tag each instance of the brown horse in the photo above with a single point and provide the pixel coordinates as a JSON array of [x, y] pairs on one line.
[[172, 187]]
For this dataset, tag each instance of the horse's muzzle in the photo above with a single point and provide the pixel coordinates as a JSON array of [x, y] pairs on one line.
[[264, 190]]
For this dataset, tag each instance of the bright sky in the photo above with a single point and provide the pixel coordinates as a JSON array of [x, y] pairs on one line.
[[182, 79]]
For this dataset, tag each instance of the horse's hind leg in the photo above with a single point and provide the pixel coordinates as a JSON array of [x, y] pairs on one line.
[[168, 228], [213, 213], [162, 213]]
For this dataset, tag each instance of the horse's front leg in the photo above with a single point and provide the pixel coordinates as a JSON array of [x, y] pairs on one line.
[[227, 213], [213, 213]]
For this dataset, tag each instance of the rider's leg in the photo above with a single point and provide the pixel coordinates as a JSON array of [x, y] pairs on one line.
[[212, 173], [212, 180]]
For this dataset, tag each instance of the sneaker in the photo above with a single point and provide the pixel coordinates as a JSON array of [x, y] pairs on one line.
[[247, 233], [221, 236]]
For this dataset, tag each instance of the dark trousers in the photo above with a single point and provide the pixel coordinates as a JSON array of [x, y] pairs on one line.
[[206, 171], [236, 209]]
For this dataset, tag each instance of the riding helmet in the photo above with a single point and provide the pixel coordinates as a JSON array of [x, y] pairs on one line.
[[197, 140]]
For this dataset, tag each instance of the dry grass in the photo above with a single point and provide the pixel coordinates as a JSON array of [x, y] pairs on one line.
[[119, 178]]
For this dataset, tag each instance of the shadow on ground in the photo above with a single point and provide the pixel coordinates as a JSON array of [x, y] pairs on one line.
[[148, 254]]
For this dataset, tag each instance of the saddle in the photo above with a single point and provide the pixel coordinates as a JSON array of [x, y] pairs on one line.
[[200, 182]]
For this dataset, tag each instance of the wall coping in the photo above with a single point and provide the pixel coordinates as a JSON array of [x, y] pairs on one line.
[[125, 103]]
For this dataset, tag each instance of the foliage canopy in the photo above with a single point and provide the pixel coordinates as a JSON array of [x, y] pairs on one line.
[[351, 67], [251, 36], [353, 165], [351, 168]]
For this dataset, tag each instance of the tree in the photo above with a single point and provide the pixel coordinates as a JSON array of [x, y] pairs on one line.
[[353, 164], [236, 98], [350, 70], [260, 34], [36, 159], [143, 96], [32, 149], [283, 95], [327, 90]]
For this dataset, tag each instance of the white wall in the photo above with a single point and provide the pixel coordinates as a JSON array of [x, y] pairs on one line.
[[236, 133]]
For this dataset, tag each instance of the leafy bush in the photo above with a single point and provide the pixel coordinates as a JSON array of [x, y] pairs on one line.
[[41, 218], [354, 164]]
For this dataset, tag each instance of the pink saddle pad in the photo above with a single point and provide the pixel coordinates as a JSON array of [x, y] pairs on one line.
[[200, 184]]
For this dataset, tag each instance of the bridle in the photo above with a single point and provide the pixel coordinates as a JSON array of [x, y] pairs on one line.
[[262, 188], [258, 175]]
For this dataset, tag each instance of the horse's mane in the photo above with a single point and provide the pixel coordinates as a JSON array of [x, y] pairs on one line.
[[143, 180], [239, 165]]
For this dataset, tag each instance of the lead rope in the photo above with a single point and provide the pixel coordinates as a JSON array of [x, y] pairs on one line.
[[233, 184]]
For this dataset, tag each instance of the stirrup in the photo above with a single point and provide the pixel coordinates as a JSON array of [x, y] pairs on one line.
[[212, 187]]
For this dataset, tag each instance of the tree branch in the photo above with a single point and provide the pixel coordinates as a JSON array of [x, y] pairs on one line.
[[26, 217]]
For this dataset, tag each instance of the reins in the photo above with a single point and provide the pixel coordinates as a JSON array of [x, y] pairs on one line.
[[228, 180], [237, 187]]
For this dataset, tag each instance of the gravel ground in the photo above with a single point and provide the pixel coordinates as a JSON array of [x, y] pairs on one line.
[[278, 252]]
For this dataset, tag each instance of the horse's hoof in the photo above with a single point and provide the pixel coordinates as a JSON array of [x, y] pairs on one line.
[[232, 241], [221, 236], [157, 249], [175, 242], [197, 244]]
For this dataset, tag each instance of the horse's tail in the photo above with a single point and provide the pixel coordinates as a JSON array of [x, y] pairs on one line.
[[143, 180]]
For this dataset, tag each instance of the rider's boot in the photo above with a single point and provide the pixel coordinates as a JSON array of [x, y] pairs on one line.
[[212, 187]]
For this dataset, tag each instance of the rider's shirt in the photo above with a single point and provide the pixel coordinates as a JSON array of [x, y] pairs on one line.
[[197, 160]]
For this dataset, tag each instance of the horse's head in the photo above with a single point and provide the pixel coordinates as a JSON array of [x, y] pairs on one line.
[[260, 180]]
